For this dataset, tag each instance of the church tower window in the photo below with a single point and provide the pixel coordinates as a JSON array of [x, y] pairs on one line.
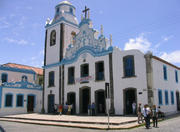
[[73, 34], [99, 70], [71, 10], [128, 62], [53, 38], [51, 79], [71, 75], [24, 78]]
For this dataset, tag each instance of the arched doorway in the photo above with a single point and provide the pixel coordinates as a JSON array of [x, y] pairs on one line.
[[100, 101], [130, 96], [177, 101], [71, 99], [51, 103], [84, 99]]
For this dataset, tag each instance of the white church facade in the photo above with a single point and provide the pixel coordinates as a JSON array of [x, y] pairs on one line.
[[78, 62]]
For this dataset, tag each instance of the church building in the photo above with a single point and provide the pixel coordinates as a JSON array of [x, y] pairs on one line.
[[79, 62]]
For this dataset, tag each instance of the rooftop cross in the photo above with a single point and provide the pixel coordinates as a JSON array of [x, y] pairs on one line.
[[85, 11]]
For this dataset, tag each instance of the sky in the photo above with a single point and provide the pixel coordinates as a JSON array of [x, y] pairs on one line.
[[147, 25]]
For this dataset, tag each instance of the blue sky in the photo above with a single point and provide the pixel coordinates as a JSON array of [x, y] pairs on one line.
[[142, 24]]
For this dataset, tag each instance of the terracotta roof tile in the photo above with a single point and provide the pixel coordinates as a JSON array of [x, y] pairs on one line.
[[38, 71]]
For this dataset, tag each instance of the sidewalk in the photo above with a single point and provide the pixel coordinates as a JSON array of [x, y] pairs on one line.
[[93, 122]]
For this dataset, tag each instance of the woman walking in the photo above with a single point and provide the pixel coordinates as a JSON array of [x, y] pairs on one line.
[[155, 116]]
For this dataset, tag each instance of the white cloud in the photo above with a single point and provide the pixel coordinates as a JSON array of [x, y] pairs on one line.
[[41, 52], [19, 42], [4, 23], [140, 43], [173, 57], [164, 39]]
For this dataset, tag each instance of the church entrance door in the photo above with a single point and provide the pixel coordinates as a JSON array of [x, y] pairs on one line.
[[177, 101], [51, 103], [30, 105], [85, 99], [71, 99], [100, 101], [129, 98]]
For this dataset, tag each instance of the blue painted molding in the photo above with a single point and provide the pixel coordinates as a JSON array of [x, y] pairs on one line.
[[60, 20], [5, 68], [22, 85], [22, 99], [34, 99], [85, 49], [11, 100], [84, 21], [0, 95]]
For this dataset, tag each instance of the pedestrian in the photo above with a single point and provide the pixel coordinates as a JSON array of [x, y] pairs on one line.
[[134, 107], [93, 109], [139, 113], [60, 109], [65, 108], [89, 109], [69, 109], [146, 113], [155, 116]]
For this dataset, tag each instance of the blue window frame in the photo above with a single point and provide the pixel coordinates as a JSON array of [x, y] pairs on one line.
[[172, 97], [128, 62], [166, 97], [176, 75], [19, 100], [4, 77], [165, 72], [51, 79], [160, 97], [8, 100]]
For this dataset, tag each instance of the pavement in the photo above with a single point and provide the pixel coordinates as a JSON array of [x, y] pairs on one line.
[[92, 122]]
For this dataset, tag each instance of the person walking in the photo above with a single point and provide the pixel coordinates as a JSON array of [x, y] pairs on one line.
[[60, 109], [89, 109], [134, 107], [93, 109], [139, 113], [146, 113], [155, 116]]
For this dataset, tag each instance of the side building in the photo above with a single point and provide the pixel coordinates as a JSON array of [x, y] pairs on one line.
[[20, 89]]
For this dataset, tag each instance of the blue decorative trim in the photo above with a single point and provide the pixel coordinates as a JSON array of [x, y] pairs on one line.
[[34, 77], [16, 69], [60, 20], [34, 99], [84, 21], [11, 100], [166, 97], [22, 99], [0, 95], [62, 4], [22, 85], [160, 97], [85, 49], [172, 97]]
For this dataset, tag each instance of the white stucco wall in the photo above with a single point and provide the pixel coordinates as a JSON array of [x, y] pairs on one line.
[[169, 85], [19, 110], [139, 81]]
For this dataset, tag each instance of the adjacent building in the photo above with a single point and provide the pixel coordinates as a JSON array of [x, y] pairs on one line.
[[20, 89]]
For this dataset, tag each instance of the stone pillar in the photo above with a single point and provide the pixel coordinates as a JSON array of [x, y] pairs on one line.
[[149, 76]]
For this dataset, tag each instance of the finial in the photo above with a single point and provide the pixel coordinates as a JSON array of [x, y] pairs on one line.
[[110, 39], [101, 29], [47, 21], [81, 17]]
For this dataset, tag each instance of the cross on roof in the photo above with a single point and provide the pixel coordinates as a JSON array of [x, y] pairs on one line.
[[85, 11]]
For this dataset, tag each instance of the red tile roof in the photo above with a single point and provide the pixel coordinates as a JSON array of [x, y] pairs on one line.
[[38, 71]]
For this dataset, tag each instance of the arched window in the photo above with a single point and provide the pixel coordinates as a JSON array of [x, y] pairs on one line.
[[24, 78], [70, 10], [128, 62], [53, 38], [4, 77], [73, 34]]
